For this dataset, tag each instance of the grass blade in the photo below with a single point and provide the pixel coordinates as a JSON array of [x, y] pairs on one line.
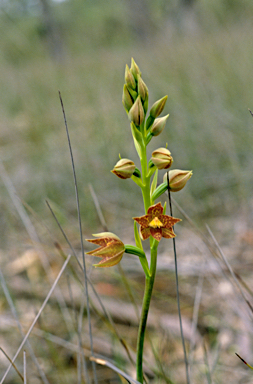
[[15, 315], [37, 316], [178, 299], [81, 236], [102, 361]]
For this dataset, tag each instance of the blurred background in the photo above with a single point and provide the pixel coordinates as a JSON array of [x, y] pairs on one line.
[[198, 52]]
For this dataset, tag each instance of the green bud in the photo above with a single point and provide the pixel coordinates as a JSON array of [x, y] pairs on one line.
[[129, 78], [177, 179], [127, 99], [142, 88], [124, 169], [135, 70], [158, 106], [158, 125], [133, 93], [136, 113], [162, 158]]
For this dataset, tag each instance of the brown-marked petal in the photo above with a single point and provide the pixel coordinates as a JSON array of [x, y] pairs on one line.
[[111, 249], [145, 233], [155, 210]]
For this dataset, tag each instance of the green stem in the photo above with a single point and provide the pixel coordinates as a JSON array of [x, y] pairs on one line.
[[149, 284], [145, 178]]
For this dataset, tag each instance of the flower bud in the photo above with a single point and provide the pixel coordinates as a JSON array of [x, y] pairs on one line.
[[129, 78], [127, 98], [162, 158], [136, 113], [142, 88], [177, 179], [133, 93], [158, 106], [135, 70], [124, 169], [158, 125]]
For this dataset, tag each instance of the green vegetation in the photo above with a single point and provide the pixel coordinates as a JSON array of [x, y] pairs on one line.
[[203, 57]]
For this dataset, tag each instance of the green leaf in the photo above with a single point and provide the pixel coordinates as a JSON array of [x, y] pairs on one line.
[[148, 137], [159, 191], [137, 136], [137, 147], [164, 208], [137, 236], [154, 183]]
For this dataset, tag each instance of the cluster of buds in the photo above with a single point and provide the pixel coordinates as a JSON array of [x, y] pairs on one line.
[[135, 101], [135, 95]]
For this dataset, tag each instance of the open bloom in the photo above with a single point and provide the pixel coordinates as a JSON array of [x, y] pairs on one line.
[[111, 249], [156, 224]]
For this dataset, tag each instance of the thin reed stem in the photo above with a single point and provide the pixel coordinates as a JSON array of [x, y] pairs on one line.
[[36, 317], [81, 237], [178, 298], [15, 315]]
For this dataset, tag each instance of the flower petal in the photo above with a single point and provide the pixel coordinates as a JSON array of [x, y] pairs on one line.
[[168, 221], [111, 249], [145, 233], [106, 235], [156, 233], [168, 233], [155, 210], [143, 220], [110, 261]]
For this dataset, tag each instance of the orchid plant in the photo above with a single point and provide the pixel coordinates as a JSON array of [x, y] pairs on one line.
[[154, 224]]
